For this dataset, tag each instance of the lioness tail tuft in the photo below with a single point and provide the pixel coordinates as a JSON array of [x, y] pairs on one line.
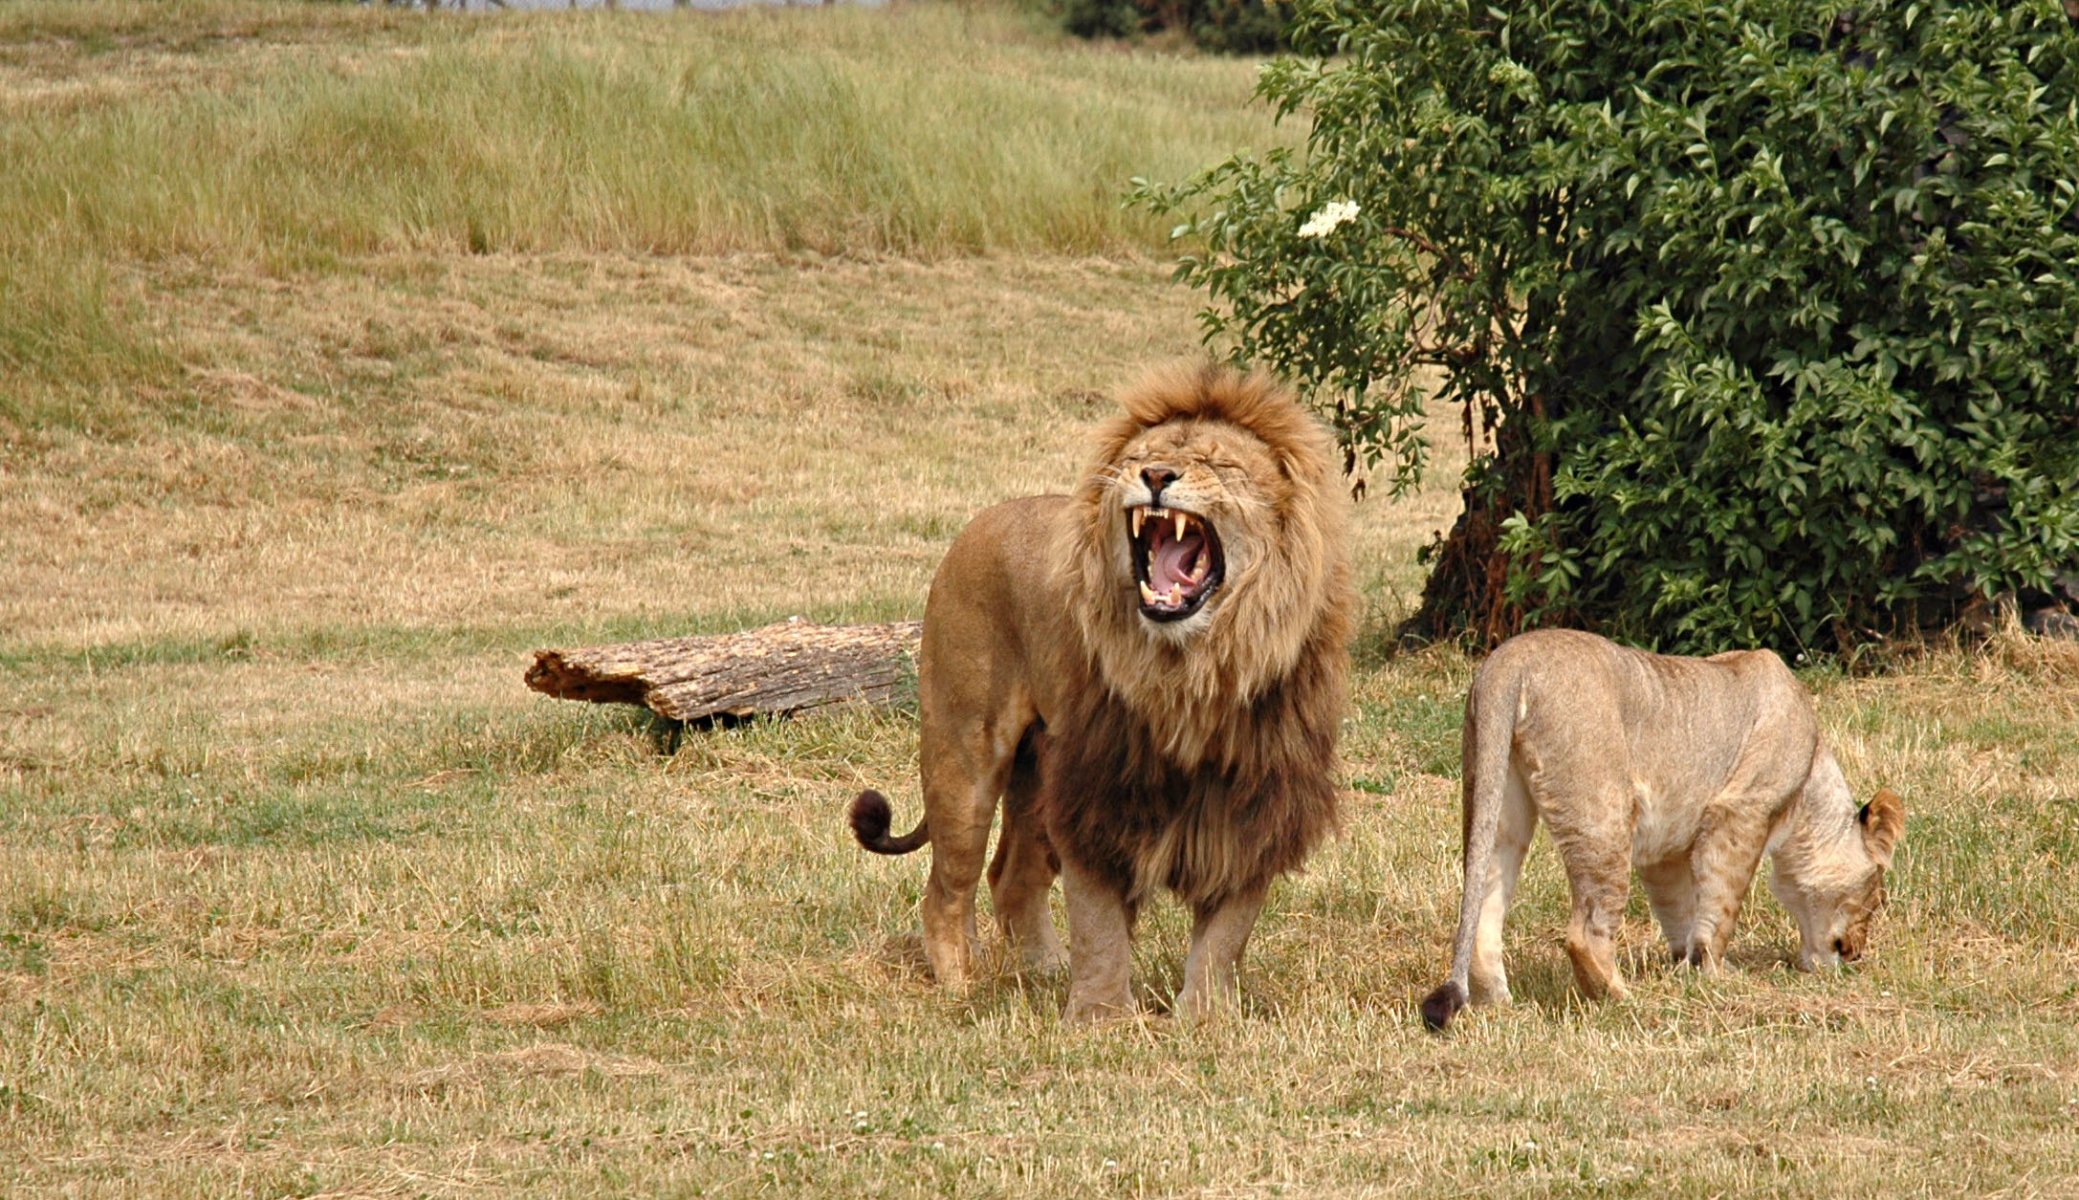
[[1441, 1005]]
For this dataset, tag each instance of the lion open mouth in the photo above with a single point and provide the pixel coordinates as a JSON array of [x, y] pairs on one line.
[[1176, 561]]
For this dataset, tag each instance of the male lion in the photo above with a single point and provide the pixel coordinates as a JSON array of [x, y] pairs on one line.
[[1151, 672], [1691, 768]]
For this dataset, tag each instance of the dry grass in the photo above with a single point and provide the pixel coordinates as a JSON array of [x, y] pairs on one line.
[[487, 441], [301, 893]]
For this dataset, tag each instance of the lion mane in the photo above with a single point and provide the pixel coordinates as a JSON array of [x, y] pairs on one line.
[[1206, 766]]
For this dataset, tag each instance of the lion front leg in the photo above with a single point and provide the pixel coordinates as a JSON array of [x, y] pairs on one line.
[[1100, 946], [1212, 974], [1671, 893], [1724, 862], [1599, 875]]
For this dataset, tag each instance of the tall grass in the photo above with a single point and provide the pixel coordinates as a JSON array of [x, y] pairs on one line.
[[921, 131], [60, 324]]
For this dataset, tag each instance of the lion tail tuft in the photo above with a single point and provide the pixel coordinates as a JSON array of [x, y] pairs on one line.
[[1441, 1005], [871, 816]]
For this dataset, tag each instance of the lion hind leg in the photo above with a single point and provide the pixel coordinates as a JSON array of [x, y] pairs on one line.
[[1488, 780], [1599, 875], [1591, 943], [1488, 980], [950, 941], [1023, 872], [1592, 830], [960, 791]]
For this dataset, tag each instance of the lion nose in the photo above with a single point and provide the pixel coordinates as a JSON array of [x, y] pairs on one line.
[[1157, 478]]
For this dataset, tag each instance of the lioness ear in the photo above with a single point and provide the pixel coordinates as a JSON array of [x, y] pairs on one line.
[[1883, 819]]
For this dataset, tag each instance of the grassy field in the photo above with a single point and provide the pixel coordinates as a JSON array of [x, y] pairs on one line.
[[303, 449]]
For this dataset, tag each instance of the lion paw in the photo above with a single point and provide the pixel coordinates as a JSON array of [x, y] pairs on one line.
[[1091, 1010]]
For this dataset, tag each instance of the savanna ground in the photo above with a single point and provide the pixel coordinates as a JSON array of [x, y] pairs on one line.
[[346, 356]]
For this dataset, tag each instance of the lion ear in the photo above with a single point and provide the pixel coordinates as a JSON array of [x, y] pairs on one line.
[[1883, 819]]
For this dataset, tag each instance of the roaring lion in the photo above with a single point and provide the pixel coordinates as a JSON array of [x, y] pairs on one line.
[[1690, 768], [1151, 673]]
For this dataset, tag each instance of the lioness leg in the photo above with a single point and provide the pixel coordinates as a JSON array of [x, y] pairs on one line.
[[1598, 870], [1023, 871], [1591, 934], [1489, 982], [1724, 860], [961, 784], [1211, 970], [1100, 947], [1671, 891]]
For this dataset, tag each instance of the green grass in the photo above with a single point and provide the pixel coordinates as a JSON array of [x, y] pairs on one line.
[[775, 130], [772, 129], [303, 893]]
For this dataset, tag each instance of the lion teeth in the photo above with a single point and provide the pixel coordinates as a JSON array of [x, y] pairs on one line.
[[1140, 517], [1147, 593], [1180, 526], [1198, 569], [1176, 594]]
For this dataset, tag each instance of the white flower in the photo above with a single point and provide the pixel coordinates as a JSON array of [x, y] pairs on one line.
[[1332, 214]]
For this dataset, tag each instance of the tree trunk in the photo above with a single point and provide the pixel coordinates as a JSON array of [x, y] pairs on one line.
[[784, 668], [1465, 598]]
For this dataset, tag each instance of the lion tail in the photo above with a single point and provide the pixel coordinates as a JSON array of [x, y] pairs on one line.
[[871, 816], [1485, 749]]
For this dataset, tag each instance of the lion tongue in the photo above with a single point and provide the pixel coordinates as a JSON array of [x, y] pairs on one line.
[[1174, 562]]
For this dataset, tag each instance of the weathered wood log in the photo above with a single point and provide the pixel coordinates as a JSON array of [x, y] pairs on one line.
[[783, 668]]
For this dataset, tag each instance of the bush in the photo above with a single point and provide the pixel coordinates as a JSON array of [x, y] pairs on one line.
[[1223, 26], [1762, 314]]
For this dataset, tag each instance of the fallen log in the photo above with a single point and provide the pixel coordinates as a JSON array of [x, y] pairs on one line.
[[788, 667]]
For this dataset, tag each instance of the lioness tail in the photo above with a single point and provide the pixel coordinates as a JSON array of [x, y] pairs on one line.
[[1485, 750], [871, 815]]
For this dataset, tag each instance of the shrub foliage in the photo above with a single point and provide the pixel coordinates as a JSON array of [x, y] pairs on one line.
[[1223, 26], [1761, 316]]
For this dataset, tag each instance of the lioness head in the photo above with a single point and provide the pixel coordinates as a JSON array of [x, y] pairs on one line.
[[1841, 887], [1207, 549]]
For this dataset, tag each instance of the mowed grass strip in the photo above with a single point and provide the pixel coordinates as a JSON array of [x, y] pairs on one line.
[[301, 893], [411, 927]]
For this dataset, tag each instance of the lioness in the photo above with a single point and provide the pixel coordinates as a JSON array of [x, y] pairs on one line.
[[1152, 673], [1690, 768]]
